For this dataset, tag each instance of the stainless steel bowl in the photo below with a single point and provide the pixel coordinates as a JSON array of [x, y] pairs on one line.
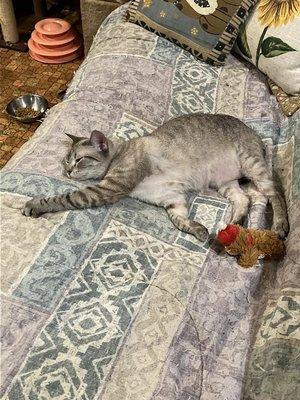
[[34, 101]]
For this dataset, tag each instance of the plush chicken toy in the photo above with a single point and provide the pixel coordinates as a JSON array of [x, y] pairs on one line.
[[249, 244]]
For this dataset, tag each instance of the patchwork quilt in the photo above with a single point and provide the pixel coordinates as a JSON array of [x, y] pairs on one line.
[[115, 303]]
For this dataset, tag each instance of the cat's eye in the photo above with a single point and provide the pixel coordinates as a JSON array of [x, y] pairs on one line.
[[78, 160], [87, 159], [82, 160]]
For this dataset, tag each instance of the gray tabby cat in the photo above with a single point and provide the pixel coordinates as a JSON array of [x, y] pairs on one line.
[[192, 152]]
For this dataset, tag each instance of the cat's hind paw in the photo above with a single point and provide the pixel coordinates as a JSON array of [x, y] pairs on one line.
[[201, 233], [281, 227]]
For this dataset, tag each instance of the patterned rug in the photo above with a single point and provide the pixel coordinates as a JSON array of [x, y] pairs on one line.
[[20, 75]]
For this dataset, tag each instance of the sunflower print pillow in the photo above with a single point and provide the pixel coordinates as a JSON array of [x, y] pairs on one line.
[[270, 39], [206, 28]]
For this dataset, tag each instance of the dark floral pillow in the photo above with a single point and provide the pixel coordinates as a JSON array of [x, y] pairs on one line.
[[207, 28]]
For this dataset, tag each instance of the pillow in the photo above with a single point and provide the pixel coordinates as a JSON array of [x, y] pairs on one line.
[[270, 39], [207, 28]]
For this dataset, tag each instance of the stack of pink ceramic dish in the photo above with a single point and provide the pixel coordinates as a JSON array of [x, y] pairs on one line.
[[54, 41]]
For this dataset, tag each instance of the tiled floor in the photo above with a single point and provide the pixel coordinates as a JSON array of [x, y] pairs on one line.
[[19, 74]]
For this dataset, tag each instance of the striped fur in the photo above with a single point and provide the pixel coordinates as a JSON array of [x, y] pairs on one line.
[[191, 152]]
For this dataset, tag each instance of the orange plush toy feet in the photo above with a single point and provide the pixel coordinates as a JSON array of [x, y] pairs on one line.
[[249, 244]]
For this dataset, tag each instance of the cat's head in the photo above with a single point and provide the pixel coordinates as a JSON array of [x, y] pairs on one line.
[[87, 158]]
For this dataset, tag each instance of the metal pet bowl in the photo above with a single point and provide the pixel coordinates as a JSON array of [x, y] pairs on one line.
[[34, 101]]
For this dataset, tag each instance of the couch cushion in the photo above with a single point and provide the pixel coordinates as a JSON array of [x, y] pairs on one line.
[[114, 302]]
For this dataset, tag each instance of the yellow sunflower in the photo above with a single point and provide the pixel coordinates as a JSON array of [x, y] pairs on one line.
[[278, 12]]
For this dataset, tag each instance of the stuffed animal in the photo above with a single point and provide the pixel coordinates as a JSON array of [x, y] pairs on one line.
[[249, 244]]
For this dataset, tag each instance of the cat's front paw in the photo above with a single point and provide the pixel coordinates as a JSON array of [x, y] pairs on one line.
[[32, 208]]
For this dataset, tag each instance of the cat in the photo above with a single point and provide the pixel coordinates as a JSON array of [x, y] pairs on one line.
[[189, 153]]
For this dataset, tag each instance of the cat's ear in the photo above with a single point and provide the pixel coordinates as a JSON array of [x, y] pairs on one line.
[[75, 139], [99, 141]]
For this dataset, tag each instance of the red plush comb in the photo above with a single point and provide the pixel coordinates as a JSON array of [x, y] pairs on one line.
[[228, 235]]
